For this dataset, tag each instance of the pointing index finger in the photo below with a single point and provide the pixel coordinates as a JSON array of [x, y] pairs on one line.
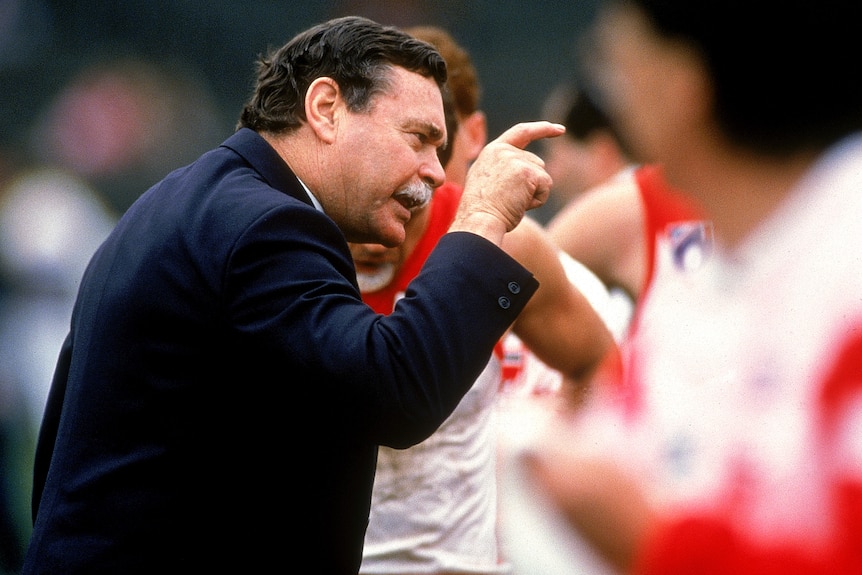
[[521, 135]]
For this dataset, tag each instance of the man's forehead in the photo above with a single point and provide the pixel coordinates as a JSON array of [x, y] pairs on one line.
[[407, 84], [414, 103]]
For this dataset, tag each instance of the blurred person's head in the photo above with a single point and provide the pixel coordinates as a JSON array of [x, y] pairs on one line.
[[356, 109], [463, 84], [51, 222], [122, 122], [681, 77], [590, 152]]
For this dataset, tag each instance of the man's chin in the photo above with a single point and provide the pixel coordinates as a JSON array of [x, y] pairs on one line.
[[393, 236]]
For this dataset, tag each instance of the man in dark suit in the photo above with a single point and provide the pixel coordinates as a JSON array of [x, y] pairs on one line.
[[218, 403]]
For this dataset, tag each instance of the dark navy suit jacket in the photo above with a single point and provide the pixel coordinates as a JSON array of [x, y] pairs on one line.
[[219, 400]]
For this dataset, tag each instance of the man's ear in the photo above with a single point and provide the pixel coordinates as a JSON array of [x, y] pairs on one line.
[[475, 129], [321, 105]]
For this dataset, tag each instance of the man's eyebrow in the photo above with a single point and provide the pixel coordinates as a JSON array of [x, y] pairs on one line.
[[431, 130]]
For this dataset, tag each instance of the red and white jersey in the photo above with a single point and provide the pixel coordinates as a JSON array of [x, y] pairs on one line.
[[741, 403], [434, 505], [667, 213]]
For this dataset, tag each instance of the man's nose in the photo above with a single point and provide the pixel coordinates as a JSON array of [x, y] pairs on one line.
[[432, 172]]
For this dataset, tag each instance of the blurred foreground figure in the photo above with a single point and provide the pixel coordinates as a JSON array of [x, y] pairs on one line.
[[219, 400], [730, 441]]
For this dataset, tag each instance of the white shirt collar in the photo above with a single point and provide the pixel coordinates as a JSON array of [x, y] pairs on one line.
[[314, 199]]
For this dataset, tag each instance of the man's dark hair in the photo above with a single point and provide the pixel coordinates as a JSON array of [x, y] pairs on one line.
[[356, 52], [585, 117]]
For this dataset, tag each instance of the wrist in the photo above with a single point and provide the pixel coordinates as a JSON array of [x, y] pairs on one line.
[[482, 224]]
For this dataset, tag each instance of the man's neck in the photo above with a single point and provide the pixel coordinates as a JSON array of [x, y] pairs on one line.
[[740, 191]]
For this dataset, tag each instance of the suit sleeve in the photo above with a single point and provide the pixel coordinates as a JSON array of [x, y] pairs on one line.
[[292, 293]]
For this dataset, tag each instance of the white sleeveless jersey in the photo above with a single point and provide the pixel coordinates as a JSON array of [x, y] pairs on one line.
[[434, 505]]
